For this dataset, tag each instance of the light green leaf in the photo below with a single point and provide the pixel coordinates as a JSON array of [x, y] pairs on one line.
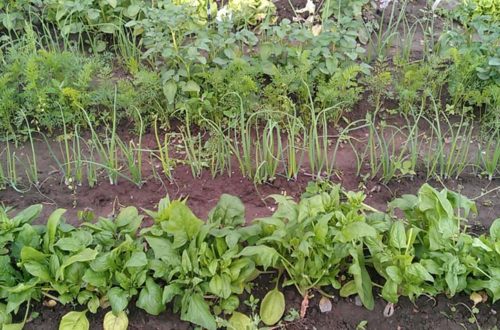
[[112, 3], [240, 321], [419, 273], [5, 318], [220, 285], [74, 321], [38, 270], [272, 307], [118, 321], [390, 291], [30, 254], [394, 274]]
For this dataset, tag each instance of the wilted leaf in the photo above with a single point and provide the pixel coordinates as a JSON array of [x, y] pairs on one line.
[[115, 322], [74, 321], [240, 321]]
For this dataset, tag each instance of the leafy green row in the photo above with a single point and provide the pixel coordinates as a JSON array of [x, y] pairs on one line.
[[200, 268]]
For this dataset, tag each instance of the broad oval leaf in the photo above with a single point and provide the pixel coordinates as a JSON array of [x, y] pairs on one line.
[[74, 321], [397, 235], [272, 307], [240, 321], [115, 322]]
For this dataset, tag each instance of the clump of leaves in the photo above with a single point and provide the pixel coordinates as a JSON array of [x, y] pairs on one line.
[[314, 240], [201, 263]]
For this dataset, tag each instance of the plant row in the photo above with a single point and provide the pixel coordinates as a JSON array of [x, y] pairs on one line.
[[418, 144], [328, 240], [168, 65]]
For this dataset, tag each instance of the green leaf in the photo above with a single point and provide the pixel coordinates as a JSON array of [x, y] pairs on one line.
[[390, 291], [220, 285], [418, 272], [264, 256], [112, 3], [85, 255], [118, 299], [361, 278], [78, 240], [5, 318], [28, 214], [38, 270], [137, 259], [133, 10], [240, 321], [191, 86], [170, 291], [404, 203], [272, 307], [228, 211], [170, 90], [494, 61], [394, 274], [495, 230], [150, 298], [52, 224], [183, 225], [74, 321], [128, 220], [196, 310], [162, 248], [13, 326], [30, 254], [118, 321], [97, 279], [356, 230], [348, 289], [397, 235]]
